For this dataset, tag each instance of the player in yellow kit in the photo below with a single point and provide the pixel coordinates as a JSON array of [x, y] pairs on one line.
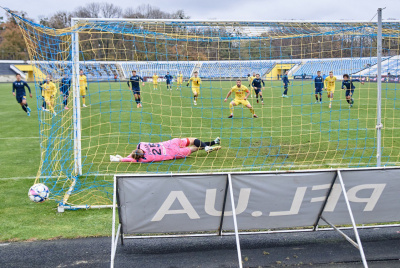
[[155, 81], [83, 86], [250, 79], [240, 97], [329, 84], [50, 91], [179, 80], [196, 82]]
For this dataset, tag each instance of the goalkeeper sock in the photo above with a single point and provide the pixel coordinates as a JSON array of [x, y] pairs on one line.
[[209, 143], [252, 111], [231, 108], [83, 100], [199, 143]]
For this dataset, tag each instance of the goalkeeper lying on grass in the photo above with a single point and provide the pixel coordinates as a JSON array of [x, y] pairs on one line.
[[173, 149]]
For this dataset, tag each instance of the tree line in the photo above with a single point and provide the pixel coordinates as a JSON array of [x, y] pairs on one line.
[[185, 42], [13, 47]]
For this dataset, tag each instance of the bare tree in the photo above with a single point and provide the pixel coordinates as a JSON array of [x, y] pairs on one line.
[[109, 10]]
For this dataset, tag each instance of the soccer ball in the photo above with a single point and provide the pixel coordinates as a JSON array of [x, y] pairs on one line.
[[38, 193]]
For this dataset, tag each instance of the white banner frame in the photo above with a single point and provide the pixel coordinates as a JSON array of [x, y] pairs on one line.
[[117, 231]]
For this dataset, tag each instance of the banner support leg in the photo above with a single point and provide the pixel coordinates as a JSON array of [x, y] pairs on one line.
[[223, 208], [352, 220], [239, 252], [324, 205]]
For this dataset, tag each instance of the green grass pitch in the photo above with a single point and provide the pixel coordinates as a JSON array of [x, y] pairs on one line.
[[292, 133]]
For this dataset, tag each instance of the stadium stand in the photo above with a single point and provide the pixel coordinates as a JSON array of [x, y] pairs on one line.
[[338, 66], [228, 69], [106, 71], [389, 66]]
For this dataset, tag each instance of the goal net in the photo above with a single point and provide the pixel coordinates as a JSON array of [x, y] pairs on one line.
[[295, 128]]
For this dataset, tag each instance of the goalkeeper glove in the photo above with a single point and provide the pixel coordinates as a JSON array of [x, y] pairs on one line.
[[115, 158]]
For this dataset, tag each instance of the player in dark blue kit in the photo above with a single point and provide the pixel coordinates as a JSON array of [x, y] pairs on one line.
[[319, 86], [65, 85], [20, 94], [256, 84], [286, 83], [347, 84], [134, 85], [169, 78]]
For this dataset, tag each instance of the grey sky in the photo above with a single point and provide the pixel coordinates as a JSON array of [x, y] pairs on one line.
[[234, 9]]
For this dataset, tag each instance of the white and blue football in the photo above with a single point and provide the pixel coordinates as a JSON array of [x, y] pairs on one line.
[[38, 193]]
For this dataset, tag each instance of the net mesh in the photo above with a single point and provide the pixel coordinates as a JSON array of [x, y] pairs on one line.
[[290, 133]]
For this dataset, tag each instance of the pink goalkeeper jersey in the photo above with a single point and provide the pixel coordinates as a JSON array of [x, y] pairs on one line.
[[167, 150]]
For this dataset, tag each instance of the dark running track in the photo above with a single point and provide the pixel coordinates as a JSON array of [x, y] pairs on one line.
[[319, 249]]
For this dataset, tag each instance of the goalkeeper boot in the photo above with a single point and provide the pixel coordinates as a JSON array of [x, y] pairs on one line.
[[255, 116], [217, 140], [209, 149], [231, 116]]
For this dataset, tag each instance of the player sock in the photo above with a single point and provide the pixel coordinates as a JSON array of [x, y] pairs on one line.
[[24, 108], [348, 101], [316, 97], [231, 108], [199, 143], [262, 99], [209, 143], [138, 100]]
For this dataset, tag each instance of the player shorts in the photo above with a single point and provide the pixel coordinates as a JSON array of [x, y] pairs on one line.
[[244, 102], [182, 150], [155, 84], [318, 90], [65, 93], [136, 91], [20, 98], [179, 82], [83, 91], [349, 92], [196, 90], [257, 91]]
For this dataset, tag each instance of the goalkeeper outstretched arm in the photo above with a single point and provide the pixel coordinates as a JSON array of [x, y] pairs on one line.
[[167, 150]]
